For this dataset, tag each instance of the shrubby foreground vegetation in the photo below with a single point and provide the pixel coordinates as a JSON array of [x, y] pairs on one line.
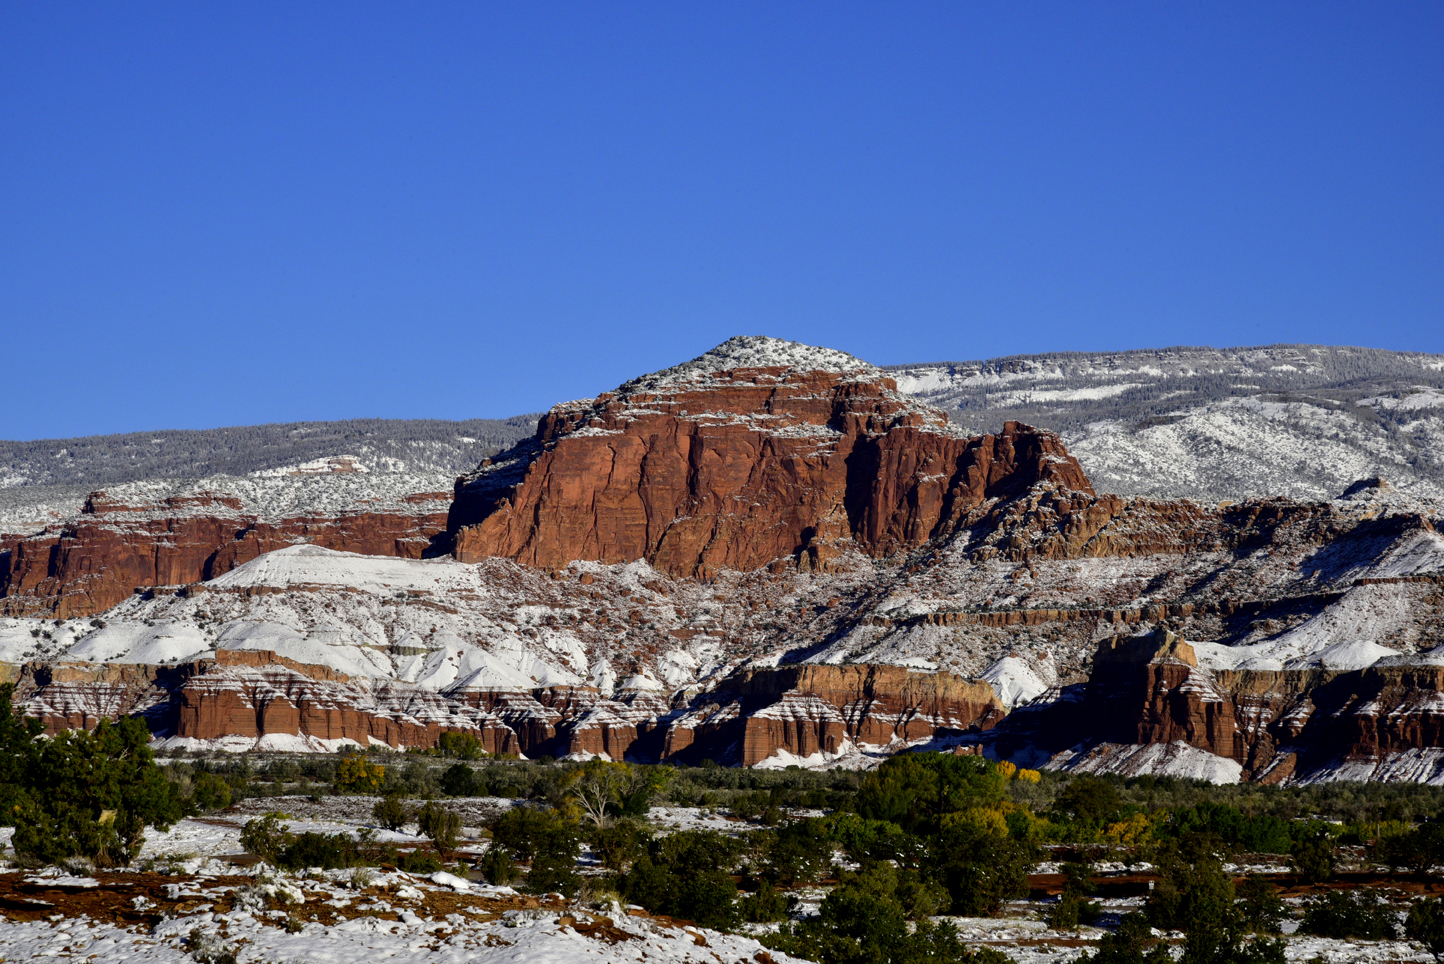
[[900, 849], [883, 859]]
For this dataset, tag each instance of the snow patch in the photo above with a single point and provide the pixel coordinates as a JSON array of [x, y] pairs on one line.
[[752, 351], [1014, 682]]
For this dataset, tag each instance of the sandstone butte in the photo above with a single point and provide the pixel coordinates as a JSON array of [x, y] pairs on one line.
[[742, 469]]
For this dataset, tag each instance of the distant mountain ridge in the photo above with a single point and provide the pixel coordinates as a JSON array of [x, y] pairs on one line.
[[1302, 421], [48, 479], [423, 445]]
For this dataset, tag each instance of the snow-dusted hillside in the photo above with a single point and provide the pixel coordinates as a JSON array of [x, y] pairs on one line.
[[1296, 420], [295, 464], [287, 492]]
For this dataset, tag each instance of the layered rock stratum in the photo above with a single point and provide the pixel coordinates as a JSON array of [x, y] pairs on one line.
[[765, 556]]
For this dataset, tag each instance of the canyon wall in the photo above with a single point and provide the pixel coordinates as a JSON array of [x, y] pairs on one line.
[[245, 699]]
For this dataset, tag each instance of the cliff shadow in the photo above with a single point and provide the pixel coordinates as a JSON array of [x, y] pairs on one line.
[[1360, 548], [862, 464]]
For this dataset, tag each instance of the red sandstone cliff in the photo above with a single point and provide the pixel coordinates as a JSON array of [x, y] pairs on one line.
[[240, 697], [742, 468], [807, 710]]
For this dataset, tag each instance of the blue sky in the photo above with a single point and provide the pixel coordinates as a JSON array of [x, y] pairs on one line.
[[221, 214]]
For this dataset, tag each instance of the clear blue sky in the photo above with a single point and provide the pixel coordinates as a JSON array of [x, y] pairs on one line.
[[221, 214]]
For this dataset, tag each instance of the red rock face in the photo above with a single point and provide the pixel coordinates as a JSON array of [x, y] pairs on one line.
[[780, 470], [89, 564], [755, 467], [1275, 723]]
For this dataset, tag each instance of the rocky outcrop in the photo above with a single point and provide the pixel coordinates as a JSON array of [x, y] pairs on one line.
[[1276, 724], [796, 508], [741, 468], [805, 711], [89, 563]]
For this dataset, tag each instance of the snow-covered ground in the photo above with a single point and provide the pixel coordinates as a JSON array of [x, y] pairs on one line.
[[751, 351], [395, 916]]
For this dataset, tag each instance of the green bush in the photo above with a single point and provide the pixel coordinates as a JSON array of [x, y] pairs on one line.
[[208, 792], [1073, 908], [701, 894], [1260, 908], [1192, 887], [497, 866], [443, 826], [548, 840], [1130, 943], [915, 790], [391, 812], [798, 852], [862, 921], [554, 868], [765, 905], [1360, 915], [19, 753], [459, 780], [687, 875], [266, 837], [865, 839], [1417, 850], [1313, 856], [83, 794], [1195, 895], [419, 862], [329, 851], [1266, 834], [461, 746], [619, 844], [526, 830], [1089, 798], [980, 869], [1425, 924], [416, 779]]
